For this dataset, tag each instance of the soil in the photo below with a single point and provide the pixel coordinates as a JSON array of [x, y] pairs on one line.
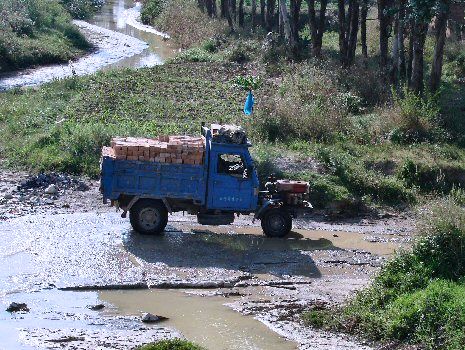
[[69, 242]]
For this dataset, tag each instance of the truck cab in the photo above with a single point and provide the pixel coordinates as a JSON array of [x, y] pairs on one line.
[[232, 179]]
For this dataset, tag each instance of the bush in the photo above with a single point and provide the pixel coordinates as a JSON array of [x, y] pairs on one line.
[[185, 22], [37, 32], [419, 296], [308, 106], [417, 117], [151, 9], [175, 344], [439, 178]]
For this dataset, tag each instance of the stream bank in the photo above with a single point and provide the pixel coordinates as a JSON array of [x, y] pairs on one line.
[[119, 40]]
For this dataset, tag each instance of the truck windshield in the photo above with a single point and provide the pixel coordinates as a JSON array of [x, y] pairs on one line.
[[232, 164]]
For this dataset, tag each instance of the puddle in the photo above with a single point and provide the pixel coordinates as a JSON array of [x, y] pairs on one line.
[[298, 239], [248, 253], [203, 320]]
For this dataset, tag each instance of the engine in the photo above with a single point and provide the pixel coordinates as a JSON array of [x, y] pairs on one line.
[[292, 193]]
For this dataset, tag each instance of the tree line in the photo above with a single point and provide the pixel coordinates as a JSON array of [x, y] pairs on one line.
[[403, 29]]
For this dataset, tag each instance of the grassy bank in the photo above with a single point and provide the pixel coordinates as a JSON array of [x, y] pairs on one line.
[[343, 130], [175, 344], [418, 298], [35, 32], [62, 126]]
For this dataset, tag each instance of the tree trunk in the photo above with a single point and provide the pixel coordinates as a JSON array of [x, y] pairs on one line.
[[230, 14], [270, 14], [363, 28], [241, 13], [254, 14], [288, 34], [410, 58], [214, 8], [201, 4], [209, 5], [419, 37], [383, 34], [313, 25], [341, 15], [436, 67], [262, 12], [233, 9], [295, 15], [395, 52], [223, 8], [317, 25], [352, 33], [400, 40]]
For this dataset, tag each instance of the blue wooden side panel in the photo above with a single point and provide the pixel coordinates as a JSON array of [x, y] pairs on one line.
[[159, 180]]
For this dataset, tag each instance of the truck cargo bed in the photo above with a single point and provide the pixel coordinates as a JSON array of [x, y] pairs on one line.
[[151, 179]]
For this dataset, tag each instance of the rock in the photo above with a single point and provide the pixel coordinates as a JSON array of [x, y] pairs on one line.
[[8, 196], [150, 318], [16, 307], [51, 189], [96, 307]]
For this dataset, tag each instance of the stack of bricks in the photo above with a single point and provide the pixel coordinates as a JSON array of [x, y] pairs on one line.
[[164, 149]]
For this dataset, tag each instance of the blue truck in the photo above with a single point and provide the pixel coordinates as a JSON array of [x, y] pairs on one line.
[[225, 185]]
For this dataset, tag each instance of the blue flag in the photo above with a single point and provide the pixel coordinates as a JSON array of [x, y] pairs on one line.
[[248, 107]]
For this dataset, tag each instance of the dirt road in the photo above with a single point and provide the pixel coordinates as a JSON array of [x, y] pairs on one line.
[[59, 259]]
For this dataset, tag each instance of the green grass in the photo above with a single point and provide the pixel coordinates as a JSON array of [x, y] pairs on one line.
[[34, 32], [63, 125], [175, 344], [418, 297], [369, 148]]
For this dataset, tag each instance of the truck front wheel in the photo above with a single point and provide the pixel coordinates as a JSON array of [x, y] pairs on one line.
[[276, 223], [148, 216]]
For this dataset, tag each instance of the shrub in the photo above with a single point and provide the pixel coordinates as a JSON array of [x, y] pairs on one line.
[[175, 344], [186, 23], [37, 32], [307, 105], [418, 296], [151, 9], [417, 117]]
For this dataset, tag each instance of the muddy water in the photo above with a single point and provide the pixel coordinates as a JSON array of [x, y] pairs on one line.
[[204, 320], [298, 239], [123, 16]]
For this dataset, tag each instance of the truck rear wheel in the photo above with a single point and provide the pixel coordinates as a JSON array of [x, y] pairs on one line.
[[276, 223], [148, 216]]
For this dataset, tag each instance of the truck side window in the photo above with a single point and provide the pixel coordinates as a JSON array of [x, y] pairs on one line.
[[231, 164]]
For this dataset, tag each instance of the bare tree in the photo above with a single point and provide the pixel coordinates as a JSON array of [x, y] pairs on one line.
[[363, 27], [288, 34], [254, 13], [262, 12], [440, 27], [383, 33], [348, 30], [223, 8], [295, 17], [241, 13], [419, 32], [317, 25], [270, 14]]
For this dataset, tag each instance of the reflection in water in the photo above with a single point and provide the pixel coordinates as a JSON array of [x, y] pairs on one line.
[[204, 320], [122, 16], [250, 253]]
